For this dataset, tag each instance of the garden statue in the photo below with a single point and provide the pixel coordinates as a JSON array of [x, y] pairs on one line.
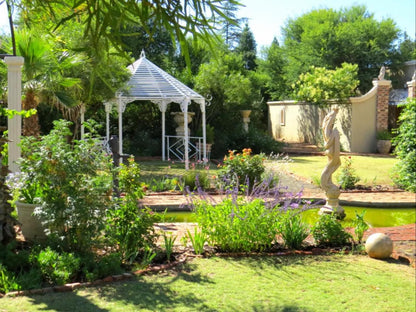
[[382, 73], [332, 151]]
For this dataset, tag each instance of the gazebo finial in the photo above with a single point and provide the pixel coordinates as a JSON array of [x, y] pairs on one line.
[[142, 54]]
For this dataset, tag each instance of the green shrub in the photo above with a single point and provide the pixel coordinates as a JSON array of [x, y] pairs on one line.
[[74, 178], [259, 141], [7, 280], [235, 225], [347, 178], [193, 179], [96, 267], [292, 229], [405, 147], [58, 268], [328, 231], [242, 169], [130, 228]]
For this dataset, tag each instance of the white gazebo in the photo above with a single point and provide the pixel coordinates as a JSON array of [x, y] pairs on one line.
[[150, 83]]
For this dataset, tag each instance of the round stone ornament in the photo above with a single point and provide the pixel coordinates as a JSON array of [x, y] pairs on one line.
[[379, 246]]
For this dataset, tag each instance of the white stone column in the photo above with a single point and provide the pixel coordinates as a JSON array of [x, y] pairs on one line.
[[14, 99]]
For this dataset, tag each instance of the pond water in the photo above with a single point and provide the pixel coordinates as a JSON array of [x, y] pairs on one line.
[[375, 217]]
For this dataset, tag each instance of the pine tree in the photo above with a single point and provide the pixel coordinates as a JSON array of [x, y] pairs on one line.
[[247, 47]]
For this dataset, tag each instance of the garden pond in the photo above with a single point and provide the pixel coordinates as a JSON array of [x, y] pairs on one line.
[[375, 217]]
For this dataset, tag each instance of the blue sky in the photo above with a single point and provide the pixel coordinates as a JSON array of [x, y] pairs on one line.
[[266, 17]]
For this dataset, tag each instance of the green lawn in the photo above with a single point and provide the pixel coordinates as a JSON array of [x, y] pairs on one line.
[[290, 283], [159, 169], [372, 170]]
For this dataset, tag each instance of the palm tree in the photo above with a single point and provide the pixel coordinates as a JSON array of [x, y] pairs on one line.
[[43, 77]]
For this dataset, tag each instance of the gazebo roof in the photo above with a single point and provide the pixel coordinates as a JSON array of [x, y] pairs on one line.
[[149, 82]]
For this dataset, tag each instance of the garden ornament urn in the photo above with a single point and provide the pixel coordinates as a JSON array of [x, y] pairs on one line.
[[246, 118], [31, 225], [180, 119]]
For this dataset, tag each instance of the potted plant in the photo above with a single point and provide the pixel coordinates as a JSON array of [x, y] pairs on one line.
[[26, 197], [383, 141], [69, 181]]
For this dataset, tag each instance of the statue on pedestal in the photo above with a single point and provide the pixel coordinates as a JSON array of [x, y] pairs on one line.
[[332, 151]]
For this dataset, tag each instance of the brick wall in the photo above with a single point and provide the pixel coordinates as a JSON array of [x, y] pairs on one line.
[[383, 92]]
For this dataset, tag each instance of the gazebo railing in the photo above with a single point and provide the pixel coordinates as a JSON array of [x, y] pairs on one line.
[[176, 147]]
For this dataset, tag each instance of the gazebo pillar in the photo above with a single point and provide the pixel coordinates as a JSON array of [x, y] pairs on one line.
[[204, 132], [120, 109], [108, 106], [162, 107], [184, 108]]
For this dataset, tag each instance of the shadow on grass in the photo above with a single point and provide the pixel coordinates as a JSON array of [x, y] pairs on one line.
[[149, 295]]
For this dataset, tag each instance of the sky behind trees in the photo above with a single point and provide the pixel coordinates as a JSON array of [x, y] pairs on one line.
[[266, 17]]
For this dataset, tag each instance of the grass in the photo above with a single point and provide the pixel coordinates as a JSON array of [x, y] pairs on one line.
[[159, 169], [372, 170], [290, 283]]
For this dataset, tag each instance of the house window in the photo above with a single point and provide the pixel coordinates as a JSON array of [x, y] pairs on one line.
[[283, 116]]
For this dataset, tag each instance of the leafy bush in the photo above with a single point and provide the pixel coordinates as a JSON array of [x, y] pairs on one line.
[[193, 179], [347, 178], [405, 147], [328, 231], [239, 170], [57, 268], [292, 229], [16, 271], [96, 267], [74, 178], [235, 225], [259, 141], [7, 280], [128, 226]]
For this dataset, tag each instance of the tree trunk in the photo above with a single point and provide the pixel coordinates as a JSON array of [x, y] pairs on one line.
[[31, 124]]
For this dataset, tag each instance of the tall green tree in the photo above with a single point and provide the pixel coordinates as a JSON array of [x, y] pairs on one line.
[[247, 48], [272, 65], [103, 18], [230, 29], [328, 38], [320, 85]]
